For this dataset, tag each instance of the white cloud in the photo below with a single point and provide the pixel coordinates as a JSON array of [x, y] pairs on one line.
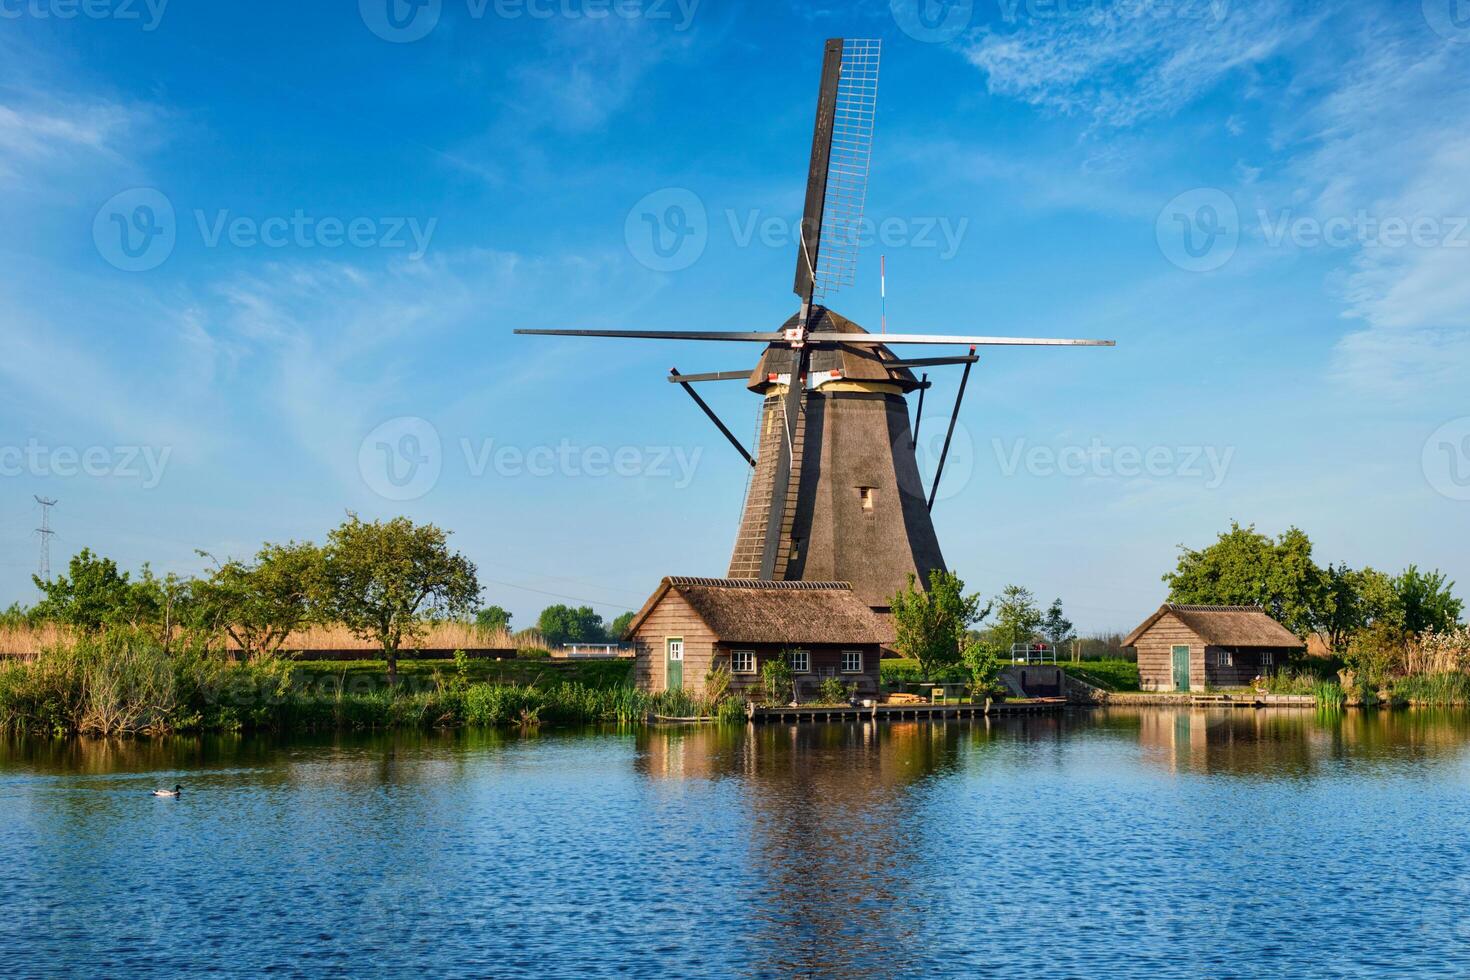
[[591, 70], [1369, 120], [41, 139], [1123, 63]]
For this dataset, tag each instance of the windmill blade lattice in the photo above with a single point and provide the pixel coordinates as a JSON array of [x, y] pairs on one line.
[[847, 171]]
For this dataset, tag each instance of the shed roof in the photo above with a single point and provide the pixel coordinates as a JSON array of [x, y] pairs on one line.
[[758, 611], [1225, 626]]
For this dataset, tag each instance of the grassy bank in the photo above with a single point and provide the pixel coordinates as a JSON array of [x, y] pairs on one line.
[[1110, 675], [413, 674], [120, 685]]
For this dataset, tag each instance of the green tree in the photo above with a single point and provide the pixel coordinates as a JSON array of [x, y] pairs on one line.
[[261, 603], [1056, 627], [983, 661], [933, 624], [1425, 602], [1017, 617], [1379, 599], [15, 617], [560, 625], [1354, 600], [619, 627], [386, 580], [92, 594], [164, 607], [1246, 568], [493, 619]]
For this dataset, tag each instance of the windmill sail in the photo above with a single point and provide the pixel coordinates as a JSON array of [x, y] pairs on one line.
[[835, 492], [837, 181]]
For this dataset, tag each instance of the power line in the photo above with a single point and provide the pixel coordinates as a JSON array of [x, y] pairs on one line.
[[45, 533]]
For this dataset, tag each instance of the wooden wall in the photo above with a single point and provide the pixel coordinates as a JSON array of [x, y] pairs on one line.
[[1156, 658], [825, 659], [702, 652], [672, 617], [1245, 666]]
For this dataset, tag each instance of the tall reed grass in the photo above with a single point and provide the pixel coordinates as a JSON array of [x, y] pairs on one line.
[[26, 640], [121, 683]]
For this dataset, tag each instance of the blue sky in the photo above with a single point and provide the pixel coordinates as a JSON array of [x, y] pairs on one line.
[[334, 224]]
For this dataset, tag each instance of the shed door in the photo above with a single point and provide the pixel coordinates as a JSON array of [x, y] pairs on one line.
[[674, 665], [1181, 668]]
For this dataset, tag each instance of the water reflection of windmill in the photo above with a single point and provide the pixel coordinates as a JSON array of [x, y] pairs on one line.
[[835, 493]]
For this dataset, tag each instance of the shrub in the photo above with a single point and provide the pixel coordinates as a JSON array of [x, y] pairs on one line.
[[776, 681], [717, 684], [1374, 656], [834, 691], [982, 660]]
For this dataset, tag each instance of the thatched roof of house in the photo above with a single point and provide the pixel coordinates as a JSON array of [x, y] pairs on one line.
[[1224, 626], [756, 611]]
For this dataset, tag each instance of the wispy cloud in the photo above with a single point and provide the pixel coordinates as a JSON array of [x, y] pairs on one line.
[[44, 135], [1123, 63], [1334, 111], [590, 71]]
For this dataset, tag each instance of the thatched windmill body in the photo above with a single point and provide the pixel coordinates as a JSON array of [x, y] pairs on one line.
[[835, 493]]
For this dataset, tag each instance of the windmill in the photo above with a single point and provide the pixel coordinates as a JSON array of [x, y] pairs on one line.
[[835, 493]]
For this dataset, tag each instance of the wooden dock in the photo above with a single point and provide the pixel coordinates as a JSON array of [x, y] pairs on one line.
[[793, 714], [1186, 700]]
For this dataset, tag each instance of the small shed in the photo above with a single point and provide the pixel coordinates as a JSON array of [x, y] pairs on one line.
[[691, 625], [1184, 648]]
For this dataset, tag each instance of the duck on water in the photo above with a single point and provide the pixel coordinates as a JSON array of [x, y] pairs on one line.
[[169, 792]]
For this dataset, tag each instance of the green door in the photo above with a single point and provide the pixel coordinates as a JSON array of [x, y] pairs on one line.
[[674, 665], [1181, 668]]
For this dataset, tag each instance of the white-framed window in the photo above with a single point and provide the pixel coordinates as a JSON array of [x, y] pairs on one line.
[[1223, 658], [800, 661], [742, 662], [852, 661], [1268, 659]]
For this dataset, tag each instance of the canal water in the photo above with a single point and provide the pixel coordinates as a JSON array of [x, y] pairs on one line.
[[1108, 843]]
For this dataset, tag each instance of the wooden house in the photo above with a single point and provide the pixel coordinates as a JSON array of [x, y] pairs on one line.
[[692, 625], [1190, 648]]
